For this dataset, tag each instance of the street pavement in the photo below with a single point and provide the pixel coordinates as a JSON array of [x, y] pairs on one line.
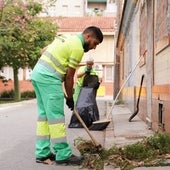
[[17, 137], [18, 125]]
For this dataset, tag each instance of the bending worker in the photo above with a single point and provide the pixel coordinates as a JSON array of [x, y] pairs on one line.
[[81, 73], [57, 65]]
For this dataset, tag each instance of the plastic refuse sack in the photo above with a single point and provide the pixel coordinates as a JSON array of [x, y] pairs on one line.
[[86, 105]]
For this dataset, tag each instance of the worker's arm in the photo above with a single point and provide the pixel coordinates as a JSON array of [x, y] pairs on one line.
[[69, 82], [68, 85], [81, 74]]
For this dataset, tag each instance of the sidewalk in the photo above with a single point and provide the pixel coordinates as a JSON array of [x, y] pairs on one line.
[[122, 132], [125, 132]]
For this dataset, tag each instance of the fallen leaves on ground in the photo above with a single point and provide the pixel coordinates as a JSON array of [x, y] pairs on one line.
[[149, 152]]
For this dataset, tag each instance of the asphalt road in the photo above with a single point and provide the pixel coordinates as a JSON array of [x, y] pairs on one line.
[[17, 137]]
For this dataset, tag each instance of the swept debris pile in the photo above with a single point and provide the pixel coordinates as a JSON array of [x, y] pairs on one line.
[[151, 151]]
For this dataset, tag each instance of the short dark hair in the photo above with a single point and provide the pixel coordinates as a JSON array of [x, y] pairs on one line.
[[96, 31]]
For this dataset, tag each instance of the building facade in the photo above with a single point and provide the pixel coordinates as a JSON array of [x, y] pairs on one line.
[[145, 26], [80, 8]]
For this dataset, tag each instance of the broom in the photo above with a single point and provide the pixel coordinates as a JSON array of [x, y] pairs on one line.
[[102, 124]]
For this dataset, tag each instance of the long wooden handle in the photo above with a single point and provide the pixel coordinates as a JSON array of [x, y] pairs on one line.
[[85, 127], [123, 85]]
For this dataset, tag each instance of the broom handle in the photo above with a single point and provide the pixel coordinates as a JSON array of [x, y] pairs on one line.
[[85, 127], [129, 76]]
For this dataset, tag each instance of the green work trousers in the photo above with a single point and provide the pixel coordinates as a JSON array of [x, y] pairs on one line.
[[51, 130]]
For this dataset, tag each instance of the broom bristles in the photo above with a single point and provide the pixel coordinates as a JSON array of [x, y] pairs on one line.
[[102, 121]]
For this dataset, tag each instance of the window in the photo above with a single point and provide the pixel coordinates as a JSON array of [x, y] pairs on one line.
[[64, 10], [109, 73], [112, 1]]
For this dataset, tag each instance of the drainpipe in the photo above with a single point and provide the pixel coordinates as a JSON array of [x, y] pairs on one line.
[[153, 31], [150, 60]]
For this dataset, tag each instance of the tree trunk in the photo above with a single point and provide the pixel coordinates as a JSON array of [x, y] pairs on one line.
[[17, 96]]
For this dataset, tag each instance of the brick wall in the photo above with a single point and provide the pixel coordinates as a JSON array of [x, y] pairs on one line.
[[161, 20], [27, 86], [162, 67], [143, 30], [161, 98], [24, 86]]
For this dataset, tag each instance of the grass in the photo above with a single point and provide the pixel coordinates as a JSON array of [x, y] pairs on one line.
[[151, 151], [8, 96]]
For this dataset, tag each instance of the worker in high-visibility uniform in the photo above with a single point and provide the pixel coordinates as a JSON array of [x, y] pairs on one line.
[[81, 73], [55, 67], [87, 76]]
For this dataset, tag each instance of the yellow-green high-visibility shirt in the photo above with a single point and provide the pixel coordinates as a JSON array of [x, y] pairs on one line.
[[81, 70], [65, 51]]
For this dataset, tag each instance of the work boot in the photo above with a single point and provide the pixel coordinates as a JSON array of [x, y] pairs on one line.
[[46, 160], [73, 160]]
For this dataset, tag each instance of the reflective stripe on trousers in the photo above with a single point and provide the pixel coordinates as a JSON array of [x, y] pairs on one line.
[[51, 121]]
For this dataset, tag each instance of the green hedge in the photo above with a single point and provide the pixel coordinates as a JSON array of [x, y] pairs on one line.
[[9, 95]]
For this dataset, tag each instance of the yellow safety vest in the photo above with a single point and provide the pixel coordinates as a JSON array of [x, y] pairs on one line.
[[63, 52]]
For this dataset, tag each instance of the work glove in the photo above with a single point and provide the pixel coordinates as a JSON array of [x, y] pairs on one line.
[[87, 71], [70, 103]]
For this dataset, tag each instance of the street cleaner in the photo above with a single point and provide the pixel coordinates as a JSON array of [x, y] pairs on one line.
[[55, 67], [81, 73], [85, 95]]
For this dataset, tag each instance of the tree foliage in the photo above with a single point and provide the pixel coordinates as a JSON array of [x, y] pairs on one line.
[[22, 34]]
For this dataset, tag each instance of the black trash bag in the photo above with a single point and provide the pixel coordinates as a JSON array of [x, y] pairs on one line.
[[86, 107], [91, 81], [86, 114]]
